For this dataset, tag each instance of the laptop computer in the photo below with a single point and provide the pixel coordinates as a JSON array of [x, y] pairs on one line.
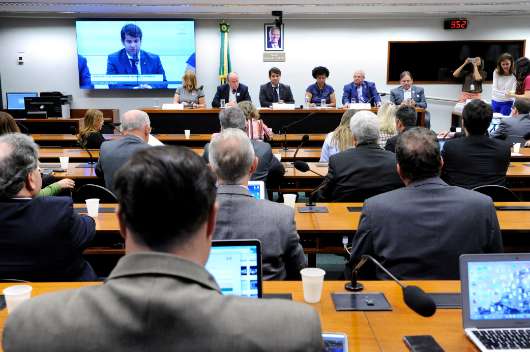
[[257, 189], [236, 266], [15, 100], [496, 300]]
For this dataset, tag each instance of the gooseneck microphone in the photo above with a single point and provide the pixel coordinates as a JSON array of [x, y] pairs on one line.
[[415, 298], [305, 138], [302, 166], [283, 130]]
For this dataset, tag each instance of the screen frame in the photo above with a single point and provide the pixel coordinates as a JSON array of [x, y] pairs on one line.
[[28, 96], [464, 280]]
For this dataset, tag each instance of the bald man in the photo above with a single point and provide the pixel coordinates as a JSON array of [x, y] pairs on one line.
[[232, 92], [360, 91], [135, 127]]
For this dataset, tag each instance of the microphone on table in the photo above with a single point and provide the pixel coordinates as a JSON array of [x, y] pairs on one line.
[[305, 138], [415, 298], [302, 166]]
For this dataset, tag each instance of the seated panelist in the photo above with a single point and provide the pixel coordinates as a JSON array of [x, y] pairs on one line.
[[407, 93], [232, 92], [320, 90], [274, 91], [189, 94], [360, 91]]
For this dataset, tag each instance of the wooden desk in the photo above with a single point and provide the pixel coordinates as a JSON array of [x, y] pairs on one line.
[[523, 155], [75, 154], [366, 331]]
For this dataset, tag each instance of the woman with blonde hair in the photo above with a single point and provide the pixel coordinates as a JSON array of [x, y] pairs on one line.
[[189, 94], [386, 115], [90, 136], [340, 139], [256, 128]]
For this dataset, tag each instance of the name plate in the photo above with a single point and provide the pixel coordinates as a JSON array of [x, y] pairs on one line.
[[273, 56], [359, 106], [172, 106], [277, 106]]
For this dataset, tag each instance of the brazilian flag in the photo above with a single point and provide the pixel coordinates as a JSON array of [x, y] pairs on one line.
[[224, 57]]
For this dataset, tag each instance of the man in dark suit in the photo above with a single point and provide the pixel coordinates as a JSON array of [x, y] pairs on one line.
[[135, 127], [42, 238], [360, 91], [419, 231], [232, 92], [159, 297], [274, 91], [132, 61], [475, 160], [515, 129], [361, 172], [269, 168], [84, 73], [405, 119], [242, 216]]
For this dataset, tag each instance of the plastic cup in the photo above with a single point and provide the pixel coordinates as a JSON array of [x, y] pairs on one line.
[[15, 295], [223, 104], [92, 207], [312, 281], [323, 103], [187, 134], [289, 199], [516, 148], [64, 162], [278, 156]]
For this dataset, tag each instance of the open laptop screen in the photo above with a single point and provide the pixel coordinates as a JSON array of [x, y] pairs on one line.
[[15, 101], [236, 266]]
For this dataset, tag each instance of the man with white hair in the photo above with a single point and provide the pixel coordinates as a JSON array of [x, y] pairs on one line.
[[360, 91], [135, 127], [232, 92], [241, 216], [364, 171]]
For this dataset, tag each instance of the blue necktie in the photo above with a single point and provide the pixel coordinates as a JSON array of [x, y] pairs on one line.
[[134, 67]]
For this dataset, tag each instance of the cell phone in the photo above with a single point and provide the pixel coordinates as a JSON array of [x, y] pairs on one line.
[[422, 343], [335, 342]]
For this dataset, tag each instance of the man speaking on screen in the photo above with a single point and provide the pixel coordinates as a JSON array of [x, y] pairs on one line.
[[131, 60]]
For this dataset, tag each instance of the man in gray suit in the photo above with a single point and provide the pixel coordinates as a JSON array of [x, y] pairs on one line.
[[242, 216], [135, 127], [269, 168], [419, 231], [160, 297], [515, 129], [407, 93]]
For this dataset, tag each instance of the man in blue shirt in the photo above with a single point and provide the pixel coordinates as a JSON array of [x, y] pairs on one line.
[[360, 91]]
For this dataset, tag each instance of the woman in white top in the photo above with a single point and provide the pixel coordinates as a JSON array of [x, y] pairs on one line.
[[503, 83], [340, 139]]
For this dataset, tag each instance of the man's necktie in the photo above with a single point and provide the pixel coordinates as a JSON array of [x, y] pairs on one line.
[[275, 97], [134, 62]]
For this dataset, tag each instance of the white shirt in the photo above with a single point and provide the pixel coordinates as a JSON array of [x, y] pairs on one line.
[[501, 84], [231, 95], [407, 94]]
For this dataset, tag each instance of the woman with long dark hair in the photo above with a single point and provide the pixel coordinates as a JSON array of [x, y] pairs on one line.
[[503, 83]]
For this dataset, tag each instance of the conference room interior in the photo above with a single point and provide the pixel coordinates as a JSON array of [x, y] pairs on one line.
[[39, 54]]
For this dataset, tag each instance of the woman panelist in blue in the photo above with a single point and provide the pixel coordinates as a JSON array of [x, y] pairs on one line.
[[320, 90]]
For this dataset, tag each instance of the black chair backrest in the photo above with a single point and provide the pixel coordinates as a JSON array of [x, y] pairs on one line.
[[94, 191], [497, 193]]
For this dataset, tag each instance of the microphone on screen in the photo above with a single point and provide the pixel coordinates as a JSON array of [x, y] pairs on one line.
[[415, 298], [305, 138]]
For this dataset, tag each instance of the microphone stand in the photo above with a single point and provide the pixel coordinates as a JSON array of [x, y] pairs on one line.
[[286, 127]]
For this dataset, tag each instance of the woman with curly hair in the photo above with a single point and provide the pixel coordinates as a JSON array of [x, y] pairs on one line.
[[319, 90]]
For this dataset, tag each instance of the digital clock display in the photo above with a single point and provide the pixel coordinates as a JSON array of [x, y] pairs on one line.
[[455, 23]]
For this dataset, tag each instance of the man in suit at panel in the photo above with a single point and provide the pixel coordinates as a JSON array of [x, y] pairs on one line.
[[232, 92], [360, 91], [476, 160], [42, 238], [159, 297], [407, 93], [269, 168], [242, 216], [132, 61], [515, 129], [135, 127], [406, 118], [361, 172], [419, 231], [274, 91]]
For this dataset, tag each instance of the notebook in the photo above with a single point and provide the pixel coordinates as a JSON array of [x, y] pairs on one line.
[[257, 189], [496, 300], [236, 266]]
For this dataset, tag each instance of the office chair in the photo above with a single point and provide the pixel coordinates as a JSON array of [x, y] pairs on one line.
[[497, 193], [94, 191]]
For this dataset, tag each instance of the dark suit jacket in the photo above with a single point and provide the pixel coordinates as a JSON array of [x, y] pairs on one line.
[[397, 96], [223, 92], [391, 142], [475, 161], [242, 216], [113, 154], [159, 302], [359, 173], [514, 129], [118, 63], [370, 94], [92, 141], [419, 231], [42, 239], [84, 73], [266, 94]]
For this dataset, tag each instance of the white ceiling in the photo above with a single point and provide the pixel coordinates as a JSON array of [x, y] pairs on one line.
[[262, 9]]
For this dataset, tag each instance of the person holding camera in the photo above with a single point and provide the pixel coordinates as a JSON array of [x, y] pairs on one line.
[[473, 73]]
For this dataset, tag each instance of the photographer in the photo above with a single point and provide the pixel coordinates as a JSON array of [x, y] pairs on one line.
[[473, 74]]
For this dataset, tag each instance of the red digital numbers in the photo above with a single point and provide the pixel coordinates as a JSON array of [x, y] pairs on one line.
[[458, 24]]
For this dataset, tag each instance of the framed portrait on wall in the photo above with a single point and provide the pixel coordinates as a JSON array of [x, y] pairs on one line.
[[273, 37]]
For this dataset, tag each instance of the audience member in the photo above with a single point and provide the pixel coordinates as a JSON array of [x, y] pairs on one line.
[[386, 115], [338, 140], [242, 216], [522, 75], [361, 172], [159, 297], [517, 127], [232, 92], [475, 160], [405, 119], [419, 231], [90, 136], [472, 73], [274, 91], [135, 127], [256, 128], [42, 237], [269, 168], [360, 91]]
